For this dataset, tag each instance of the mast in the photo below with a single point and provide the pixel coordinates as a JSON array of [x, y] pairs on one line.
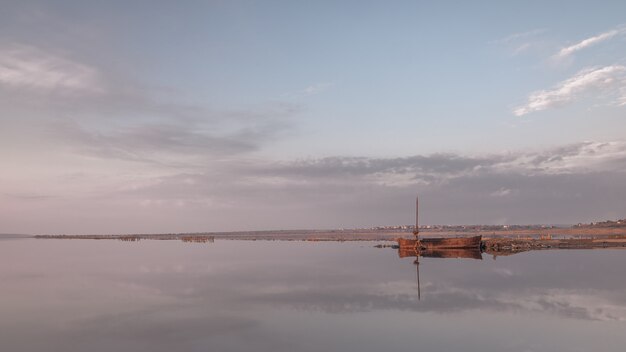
[[416, 231]]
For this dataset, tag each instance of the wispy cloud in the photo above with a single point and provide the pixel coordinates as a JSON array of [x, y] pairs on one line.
[[519, 36], [603, 79], [317, 88], [567, 51], [29, 196], [310, 90], [174, 142], [92, 111], [503, 192], [522, 42], [28, 67], [521, 48], [621, 101]]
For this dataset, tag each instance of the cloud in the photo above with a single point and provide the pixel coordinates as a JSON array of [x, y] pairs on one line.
[[580, 157], [40, 83], [522, 42], [519, 36], [28, 196], [600, 79], [78, 109], [188, 187], [172, 143], [430, 170], [151, 143], [621, 101], [502, 192], [567, 51], [28, 67], [521, 48], [310, 90], [353, 191], [317, 88]]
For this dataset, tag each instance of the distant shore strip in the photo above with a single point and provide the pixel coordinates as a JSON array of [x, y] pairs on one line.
[[134, 238], [365, 235]]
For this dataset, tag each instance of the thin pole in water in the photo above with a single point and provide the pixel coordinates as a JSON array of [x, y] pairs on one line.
[[417, 226], [416, 231]]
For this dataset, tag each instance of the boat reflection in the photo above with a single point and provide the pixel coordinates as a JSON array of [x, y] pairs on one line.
[[452, 253], [469, 253]]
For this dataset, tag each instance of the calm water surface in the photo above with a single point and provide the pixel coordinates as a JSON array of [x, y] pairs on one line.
[[86, 295]]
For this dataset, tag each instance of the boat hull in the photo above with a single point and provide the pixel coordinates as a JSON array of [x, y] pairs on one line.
[[441, 243]]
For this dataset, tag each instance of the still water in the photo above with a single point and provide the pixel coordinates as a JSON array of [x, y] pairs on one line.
[[87, 295]]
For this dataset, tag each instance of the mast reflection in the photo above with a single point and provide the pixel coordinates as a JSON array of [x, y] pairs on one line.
[[457, 253]]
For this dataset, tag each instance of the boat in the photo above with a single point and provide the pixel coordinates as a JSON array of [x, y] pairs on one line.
[[437, 243]]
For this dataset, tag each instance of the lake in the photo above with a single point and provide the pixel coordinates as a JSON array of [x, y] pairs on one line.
[[108, 295]]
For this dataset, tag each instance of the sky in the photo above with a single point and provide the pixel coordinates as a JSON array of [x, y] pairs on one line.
[[161, 116]]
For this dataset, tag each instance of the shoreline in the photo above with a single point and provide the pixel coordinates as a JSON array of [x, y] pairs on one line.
[[496, 243], [368, 235]]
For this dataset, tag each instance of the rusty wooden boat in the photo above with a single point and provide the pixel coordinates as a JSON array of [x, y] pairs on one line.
[[437, 243]]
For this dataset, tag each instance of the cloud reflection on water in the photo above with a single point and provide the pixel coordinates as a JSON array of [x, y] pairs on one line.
[[161, 296]]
